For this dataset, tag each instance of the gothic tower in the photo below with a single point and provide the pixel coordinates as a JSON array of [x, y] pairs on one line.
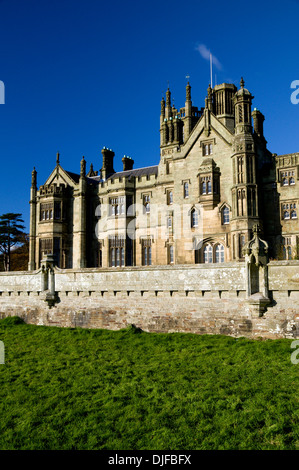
[[244, 165]]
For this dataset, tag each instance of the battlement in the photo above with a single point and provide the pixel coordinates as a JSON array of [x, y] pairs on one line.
[[52, 190]]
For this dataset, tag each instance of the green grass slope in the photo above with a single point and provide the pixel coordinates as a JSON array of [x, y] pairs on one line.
[[64, 388]]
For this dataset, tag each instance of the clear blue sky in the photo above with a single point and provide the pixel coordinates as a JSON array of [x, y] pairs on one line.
[[80, 75]]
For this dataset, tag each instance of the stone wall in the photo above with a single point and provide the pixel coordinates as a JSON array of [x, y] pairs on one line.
[[199, 299]]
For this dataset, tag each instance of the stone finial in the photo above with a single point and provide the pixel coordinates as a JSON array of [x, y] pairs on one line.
[[242, 83], [83, 167], [168, 97], [33, 178], [163, 106], [57, 158], [91, 171], [188, 92]]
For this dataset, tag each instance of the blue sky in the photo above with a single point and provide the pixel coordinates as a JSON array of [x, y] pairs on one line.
[[80, 75]]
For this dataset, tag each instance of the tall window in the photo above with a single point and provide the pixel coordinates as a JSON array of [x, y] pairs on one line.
[[241, 196], [287, 247], [206, 185], [170, 254], [117, 251], [208, 254], [194, 218], [240, 168], [225, 215], [209, 186], [146, 203], [186, 190], [117, 205], [207, 149], [146, 252], [169, 197], [219, 254]]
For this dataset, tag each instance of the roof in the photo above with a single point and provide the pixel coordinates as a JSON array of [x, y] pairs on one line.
[[146, 171], [73, 176], [138, 172]]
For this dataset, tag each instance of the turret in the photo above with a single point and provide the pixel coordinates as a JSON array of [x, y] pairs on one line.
[[242, 102], [223, 104]]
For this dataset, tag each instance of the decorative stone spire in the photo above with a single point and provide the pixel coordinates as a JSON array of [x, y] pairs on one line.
[[188, 92], [162, 106], [83, 167], [256, 249], [57, 158], [208, 100], [242, 83], [33, 178], [168, 97]]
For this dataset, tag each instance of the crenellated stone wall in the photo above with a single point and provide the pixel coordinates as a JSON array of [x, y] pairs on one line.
[[199, 298]]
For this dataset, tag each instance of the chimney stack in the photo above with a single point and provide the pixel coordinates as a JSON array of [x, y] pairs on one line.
[[127, 163], [107, 168]]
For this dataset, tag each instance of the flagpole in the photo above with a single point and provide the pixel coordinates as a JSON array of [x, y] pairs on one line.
[[211, 70]]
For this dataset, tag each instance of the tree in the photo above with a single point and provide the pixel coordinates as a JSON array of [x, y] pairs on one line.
[[11, 234]]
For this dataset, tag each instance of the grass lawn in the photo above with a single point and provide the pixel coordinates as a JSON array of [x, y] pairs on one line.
[[72, 388]]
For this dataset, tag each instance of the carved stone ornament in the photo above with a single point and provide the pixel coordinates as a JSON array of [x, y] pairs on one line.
[[256, 250]]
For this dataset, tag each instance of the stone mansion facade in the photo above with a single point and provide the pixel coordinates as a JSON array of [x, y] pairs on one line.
[[214, 182]]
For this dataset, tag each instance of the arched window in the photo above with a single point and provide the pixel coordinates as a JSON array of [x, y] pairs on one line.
[[294, 214], [219, 254], [292, 180], [194, 218], [286, 215], [285, 182], [208, 254], [225, 215], [209, 187]]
